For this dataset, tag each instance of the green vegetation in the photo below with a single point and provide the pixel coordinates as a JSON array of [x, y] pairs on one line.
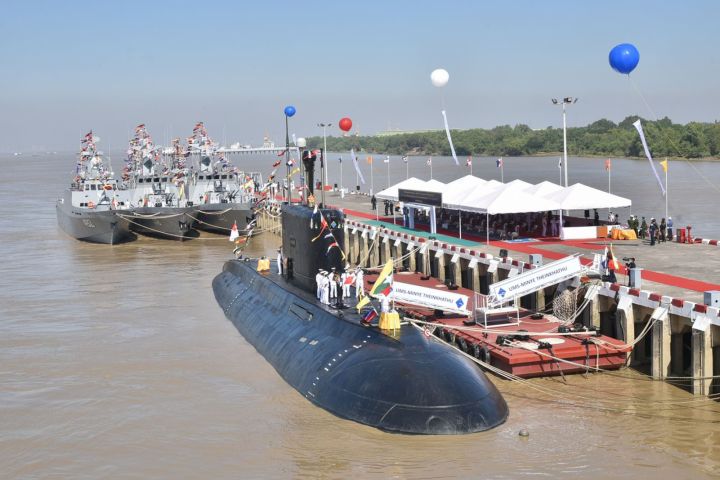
[[601, 138]]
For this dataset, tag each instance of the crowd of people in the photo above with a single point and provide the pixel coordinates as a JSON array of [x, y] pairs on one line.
[[334, 286], [652, 231], [506, 226]]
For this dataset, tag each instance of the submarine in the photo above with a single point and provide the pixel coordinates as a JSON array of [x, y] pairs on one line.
[[407, 382]]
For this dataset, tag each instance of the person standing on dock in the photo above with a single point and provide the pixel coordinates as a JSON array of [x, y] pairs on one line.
[[373, 203], [643, 228], [663, 227], [653, 231], [597, 218], [669, 229]]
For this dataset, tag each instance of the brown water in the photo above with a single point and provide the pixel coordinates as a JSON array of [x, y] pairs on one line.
[[115, 362]]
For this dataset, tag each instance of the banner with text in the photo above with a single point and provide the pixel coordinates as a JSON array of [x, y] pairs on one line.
[[535, 279], [430, 297]]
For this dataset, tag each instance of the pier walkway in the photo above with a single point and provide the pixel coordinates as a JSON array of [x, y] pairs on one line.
[[677, 270]]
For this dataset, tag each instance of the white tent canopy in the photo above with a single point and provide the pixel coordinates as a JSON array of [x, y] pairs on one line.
[[457, 190], [412, 183], [519, 183], [468, 202], [511, 200], [435, 185], [473, 194], [544, 188], [582, 197]]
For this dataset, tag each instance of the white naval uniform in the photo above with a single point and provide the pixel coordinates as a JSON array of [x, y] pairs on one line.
[[345, 288], [325, 290], [318, 282], [279, 261], [333, 286], [359, 286]]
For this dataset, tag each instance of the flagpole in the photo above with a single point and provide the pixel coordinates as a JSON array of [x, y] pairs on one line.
[[560, 170], [407, 168], [609, 179], [372, 181], [341, 177], [667, 192], [388, 171], [502, 172]]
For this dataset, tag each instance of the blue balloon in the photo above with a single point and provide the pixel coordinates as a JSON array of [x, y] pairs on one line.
[[289, 110], [624, 58]]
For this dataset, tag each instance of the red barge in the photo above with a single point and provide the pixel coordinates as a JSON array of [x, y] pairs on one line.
[[522, 343]]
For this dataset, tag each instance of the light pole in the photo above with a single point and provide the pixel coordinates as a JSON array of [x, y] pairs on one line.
[[302, 143], [341, 183], [324, 126], [563, 102]]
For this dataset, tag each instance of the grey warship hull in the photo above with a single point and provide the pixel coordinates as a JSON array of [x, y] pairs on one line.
[[220, 217], [171, 223], [102, 226]]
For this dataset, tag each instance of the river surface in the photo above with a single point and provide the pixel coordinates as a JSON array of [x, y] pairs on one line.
[[116, 362]]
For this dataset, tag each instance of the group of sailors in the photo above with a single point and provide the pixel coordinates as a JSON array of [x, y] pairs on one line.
[[330, 283]]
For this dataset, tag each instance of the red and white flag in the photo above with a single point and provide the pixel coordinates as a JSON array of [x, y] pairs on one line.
[[234, 234]]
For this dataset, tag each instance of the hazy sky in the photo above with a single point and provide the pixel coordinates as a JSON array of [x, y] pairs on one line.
[[69, 66]]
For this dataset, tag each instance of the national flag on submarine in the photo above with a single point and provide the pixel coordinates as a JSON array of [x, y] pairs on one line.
[[383, 285], [370, 315]]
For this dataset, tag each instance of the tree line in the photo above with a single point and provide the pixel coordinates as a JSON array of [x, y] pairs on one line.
[[601, 138]]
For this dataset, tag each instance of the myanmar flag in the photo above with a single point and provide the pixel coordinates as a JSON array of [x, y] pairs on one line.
[[383, 285]]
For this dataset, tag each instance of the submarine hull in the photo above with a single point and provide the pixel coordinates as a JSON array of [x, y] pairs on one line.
[[406, 383]]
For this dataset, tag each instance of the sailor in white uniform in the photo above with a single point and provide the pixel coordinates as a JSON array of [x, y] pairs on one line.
[[325, 297], [279, 261], [359, 283], [319, 283], [333, 284], [344, 289]]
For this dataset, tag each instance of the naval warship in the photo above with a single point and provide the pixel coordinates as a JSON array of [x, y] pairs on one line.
[[221, 194], [94, 207], [406, 382], [157, 191]]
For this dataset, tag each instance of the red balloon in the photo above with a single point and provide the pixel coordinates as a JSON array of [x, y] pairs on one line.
[[345, 124]]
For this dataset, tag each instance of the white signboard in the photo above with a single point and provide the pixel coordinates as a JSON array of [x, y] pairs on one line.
[[430, 297], [535, 279]]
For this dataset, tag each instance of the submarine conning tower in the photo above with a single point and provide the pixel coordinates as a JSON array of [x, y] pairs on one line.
[[311, 241]]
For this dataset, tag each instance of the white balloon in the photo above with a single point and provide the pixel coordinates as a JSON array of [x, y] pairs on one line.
[[439, 77]]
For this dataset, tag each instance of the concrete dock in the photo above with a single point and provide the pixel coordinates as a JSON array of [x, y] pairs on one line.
[[674, 331]]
